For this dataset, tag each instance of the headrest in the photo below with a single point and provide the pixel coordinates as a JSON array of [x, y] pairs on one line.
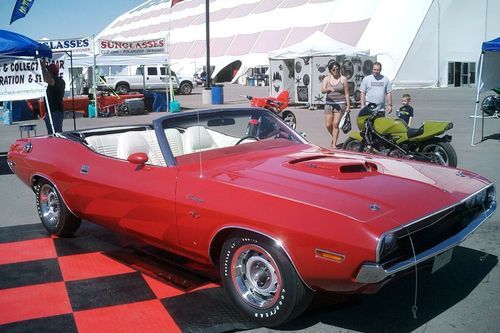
[[130, 143], [197, 138]]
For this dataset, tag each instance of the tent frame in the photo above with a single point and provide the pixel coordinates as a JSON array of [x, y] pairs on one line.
[[477, 104]]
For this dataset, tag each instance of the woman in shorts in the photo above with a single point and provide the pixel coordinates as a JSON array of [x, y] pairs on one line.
[[337, 99]]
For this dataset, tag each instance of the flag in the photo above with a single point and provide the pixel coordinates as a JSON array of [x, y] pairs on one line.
[[21, 9], [175, 1]]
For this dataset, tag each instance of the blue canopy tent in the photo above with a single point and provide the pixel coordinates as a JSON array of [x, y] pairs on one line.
[[15, 45], [489, 78]]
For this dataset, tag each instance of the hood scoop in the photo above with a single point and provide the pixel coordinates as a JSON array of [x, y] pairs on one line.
[[334, 167]]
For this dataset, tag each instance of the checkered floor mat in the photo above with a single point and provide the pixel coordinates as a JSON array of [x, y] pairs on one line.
[[50, 284]]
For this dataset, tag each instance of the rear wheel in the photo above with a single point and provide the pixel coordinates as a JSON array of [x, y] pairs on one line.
[[261, 282], [185, 88], [441, 153], [53, 213], [122, 88]]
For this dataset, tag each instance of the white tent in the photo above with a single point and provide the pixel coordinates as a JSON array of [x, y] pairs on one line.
[[416, 40], [489, 74], [317, 44]]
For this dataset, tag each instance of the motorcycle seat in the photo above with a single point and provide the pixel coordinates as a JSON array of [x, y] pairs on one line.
[[413, 132]]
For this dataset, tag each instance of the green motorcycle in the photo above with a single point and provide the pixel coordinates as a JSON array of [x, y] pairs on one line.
[[393, 137]]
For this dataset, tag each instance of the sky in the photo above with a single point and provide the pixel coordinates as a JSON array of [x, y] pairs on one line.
[[64, 19]]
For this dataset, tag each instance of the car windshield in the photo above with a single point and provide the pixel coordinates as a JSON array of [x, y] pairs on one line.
[[211, 129]]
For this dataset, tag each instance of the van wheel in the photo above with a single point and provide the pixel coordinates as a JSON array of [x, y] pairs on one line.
[[261, 282], [53, 213], [185, 88], [122, 89]]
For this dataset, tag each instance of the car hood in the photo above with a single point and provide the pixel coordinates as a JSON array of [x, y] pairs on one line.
[[363, 188]]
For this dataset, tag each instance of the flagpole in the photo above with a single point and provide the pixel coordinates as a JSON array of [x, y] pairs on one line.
[[207, 32]]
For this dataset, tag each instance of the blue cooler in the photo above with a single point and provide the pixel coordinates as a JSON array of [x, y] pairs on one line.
[[175, 106], [217, 94], [91, 110]]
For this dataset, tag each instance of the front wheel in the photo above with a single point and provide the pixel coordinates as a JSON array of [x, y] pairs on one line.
[[289, 119], [261, 282], [441, 153], [53, 213], [353, 145]]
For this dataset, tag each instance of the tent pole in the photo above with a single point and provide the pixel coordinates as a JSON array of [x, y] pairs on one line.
[[47, 104], [95, 77], [72, 87], [477, 98]]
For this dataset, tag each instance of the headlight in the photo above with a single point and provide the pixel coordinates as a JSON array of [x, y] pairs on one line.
[[469, 203], [491, 196], [388, 245], [480, 198]]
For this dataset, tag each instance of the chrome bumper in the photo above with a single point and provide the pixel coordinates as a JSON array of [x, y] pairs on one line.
[[373, 273]]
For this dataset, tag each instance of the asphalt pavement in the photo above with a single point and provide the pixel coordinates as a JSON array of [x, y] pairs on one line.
[[462, 297]]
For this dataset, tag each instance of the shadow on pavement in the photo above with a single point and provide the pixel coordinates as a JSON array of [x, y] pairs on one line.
[[391, 309], [4, 168]]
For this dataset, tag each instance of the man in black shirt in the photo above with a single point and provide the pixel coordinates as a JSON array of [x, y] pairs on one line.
[[55, 95]]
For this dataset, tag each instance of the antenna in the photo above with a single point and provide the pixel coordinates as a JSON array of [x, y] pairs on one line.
[[199, 143]]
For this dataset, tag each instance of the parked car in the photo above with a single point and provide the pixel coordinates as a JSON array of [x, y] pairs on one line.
[[238, 189], [146, 77]]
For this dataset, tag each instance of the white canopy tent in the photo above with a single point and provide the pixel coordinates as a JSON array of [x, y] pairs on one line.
[[489, 74], [305, 64], [317, 44]]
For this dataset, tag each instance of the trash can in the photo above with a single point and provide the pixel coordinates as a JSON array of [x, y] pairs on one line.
[[217, 94]]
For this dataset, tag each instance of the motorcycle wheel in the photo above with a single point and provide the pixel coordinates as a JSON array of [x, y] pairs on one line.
[[444, 150], [289, 119], [353, 145]]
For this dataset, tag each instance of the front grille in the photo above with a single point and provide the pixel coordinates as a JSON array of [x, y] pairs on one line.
[[429, 232]]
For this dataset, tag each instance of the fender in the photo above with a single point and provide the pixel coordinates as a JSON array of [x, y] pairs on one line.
[[356, 135]]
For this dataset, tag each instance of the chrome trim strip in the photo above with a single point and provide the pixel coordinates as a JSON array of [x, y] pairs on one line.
[[279, 243], [379, 242], [53, 183], [373, 272]]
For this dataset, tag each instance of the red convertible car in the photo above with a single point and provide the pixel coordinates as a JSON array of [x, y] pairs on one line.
[[238, 189]]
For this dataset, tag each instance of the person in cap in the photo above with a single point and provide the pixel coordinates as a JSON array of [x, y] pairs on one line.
[[55, 95]]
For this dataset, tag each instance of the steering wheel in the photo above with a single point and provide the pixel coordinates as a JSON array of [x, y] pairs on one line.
[[247, 137]]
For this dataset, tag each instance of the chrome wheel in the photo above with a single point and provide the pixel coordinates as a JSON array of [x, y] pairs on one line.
[[256, 276], [49, 205], [53, 212]]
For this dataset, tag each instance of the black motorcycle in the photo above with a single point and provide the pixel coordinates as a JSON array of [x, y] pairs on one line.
[[491, 104]]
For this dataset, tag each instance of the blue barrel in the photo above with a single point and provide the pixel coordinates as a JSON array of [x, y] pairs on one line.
[[217, 94]]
